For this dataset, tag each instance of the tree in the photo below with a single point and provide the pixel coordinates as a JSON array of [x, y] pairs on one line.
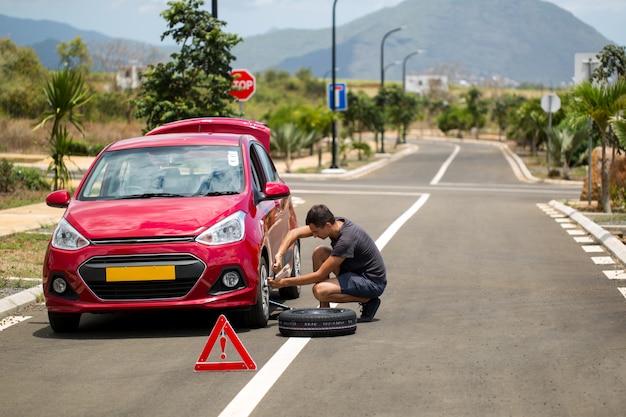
[[476, 108], [503, 106], [612, 63], [403, 110], [21, 73], [65, 93], [288, 138], [529, 121], [453, 117], [602, 102], [74, 54], [197, 80]]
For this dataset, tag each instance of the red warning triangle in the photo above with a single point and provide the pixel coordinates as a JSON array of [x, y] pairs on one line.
[[224, 330]]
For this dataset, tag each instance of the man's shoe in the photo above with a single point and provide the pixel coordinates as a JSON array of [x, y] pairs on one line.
[[369, 310]]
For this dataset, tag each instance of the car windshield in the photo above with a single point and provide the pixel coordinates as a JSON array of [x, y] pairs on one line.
[[173, 171]]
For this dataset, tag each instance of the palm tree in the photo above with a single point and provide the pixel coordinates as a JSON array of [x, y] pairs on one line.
[[65, 92], [601, 102], [288, 138], [618, 123]]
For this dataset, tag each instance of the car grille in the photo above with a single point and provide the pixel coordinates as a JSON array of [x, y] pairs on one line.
[[139, 285]]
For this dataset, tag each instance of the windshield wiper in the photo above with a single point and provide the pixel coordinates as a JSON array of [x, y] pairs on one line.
[[217, 193], [151, 195]]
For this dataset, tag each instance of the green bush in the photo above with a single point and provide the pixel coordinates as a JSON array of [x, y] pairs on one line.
[[31, 178], [7, 179]]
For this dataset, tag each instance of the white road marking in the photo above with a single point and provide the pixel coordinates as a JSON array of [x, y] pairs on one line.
[[603, 260], [615, 274], [445, 166], [251, 395], [623, 291], [9, 321], [592, 248], [584, 239], [576, 232]]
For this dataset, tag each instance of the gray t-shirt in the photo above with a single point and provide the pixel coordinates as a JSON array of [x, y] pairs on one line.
[[360, 252]]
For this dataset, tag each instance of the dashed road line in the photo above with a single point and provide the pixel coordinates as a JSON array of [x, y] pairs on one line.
[[588, 244]]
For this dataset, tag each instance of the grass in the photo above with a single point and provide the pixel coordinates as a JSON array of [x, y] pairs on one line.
[[22, 197], [22, 257]]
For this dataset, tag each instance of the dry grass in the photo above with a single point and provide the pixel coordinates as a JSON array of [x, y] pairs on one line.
[[22, 256], [17, 135]]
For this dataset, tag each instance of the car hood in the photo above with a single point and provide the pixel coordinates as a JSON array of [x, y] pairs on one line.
[[149, 217]]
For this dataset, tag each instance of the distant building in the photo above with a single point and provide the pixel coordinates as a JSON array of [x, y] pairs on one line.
[[584, 65], [129, 76], [425, 84]]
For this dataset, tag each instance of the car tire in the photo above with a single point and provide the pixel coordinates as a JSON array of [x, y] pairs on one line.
[[259, 313], [317, 322], [64, 322], [290, 293]]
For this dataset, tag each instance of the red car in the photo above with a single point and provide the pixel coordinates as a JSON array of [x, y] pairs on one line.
[[188, 216]]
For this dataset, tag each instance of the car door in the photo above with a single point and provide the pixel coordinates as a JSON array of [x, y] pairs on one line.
[[276, 212]]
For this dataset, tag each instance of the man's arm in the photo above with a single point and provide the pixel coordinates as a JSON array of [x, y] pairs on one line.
[[331, 264], [288, 240]]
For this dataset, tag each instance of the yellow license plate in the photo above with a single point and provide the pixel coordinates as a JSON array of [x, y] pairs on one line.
[[141, 273]]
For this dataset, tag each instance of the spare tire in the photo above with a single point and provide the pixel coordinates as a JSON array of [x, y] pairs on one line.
[[317, 322]]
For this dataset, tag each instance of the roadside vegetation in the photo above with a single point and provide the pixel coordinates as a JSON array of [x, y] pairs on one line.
[[72, 111]]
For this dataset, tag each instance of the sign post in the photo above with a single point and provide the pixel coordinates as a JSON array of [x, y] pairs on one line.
[[550, 103]]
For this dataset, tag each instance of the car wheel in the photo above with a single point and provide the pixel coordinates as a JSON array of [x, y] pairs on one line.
[[289, 293], [317, 322], [64, 322], [259, 314]]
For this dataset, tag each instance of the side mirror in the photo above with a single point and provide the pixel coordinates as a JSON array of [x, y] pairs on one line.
[[276, 190], [58, 199]]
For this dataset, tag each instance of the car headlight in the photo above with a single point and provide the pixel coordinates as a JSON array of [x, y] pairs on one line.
[[67, 238], [231, 229]]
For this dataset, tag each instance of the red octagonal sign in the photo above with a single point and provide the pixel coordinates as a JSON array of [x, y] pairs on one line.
[[244, 84]]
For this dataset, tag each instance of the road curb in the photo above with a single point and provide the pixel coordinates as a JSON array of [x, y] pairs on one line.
[[13, 303], [608, 240]]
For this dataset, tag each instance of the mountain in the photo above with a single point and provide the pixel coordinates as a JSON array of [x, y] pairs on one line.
[[522, 40], [525, 40]]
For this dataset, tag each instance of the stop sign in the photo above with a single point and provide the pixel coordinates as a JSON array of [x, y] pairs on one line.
[[244, 84]]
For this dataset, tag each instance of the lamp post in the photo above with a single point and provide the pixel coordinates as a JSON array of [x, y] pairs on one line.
[[333, 105], [406, 58], [382, 82], [214, 7]]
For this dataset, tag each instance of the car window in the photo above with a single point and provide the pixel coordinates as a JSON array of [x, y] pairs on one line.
[[166, 172], [266, 164]]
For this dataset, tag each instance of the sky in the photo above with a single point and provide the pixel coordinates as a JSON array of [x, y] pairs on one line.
[[140, 19]]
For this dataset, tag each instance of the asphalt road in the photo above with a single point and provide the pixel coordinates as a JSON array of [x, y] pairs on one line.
[[493, 308]]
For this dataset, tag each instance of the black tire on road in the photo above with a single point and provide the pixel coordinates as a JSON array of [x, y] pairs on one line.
[[317, 322], [64, 322]]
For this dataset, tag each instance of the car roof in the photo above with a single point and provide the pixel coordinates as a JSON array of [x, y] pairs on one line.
[[217, 125]]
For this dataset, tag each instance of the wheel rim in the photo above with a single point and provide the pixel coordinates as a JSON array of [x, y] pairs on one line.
[[265, 290], [297, 271]]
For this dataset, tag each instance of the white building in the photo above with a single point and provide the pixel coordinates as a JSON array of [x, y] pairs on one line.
[[424, 84], [129, 76], [584, 65]]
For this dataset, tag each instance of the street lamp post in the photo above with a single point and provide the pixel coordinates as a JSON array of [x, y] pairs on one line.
[[382, 82], [214, 8], [406, 58], [333, 105]]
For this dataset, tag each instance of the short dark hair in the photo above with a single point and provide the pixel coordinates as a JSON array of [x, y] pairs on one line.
[[319, 215]]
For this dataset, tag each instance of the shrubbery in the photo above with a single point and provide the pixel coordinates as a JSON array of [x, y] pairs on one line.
[[12, 177]]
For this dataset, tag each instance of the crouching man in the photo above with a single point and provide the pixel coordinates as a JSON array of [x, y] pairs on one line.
[[359, 271]]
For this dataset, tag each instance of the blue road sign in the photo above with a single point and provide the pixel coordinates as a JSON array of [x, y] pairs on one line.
[[341, 96]]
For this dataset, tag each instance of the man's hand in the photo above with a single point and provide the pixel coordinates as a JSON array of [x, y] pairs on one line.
[[276, 283]]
